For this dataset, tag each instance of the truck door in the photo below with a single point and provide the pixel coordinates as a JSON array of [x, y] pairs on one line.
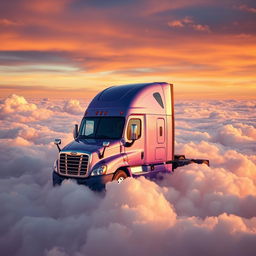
[[156, 137], [135, 152], [160, 150]]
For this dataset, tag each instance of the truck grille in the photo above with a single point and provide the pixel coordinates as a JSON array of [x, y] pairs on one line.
[[73, 165]]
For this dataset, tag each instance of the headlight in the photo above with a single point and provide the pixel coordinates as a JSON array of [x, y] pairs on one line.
[[99, 171], [55, 165]]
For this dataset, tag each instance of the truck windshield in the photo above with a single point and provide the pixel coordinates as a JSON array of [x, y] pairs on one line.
[[101, 128]]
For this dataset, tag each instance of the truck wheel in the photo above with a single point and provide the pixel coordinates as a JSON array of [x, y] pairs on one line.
[[120, 176]]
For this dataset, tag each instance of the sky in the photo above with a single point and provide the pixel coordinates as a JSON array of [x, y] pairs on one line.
[[196, 210], [76, 48]]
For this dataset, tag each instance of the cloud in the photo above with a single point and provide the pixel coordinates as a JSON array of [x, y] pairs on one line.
[[8, 22], [104, 4], [195, 210], [47, 6], [16, 103], [230, 135], [176, 23], [73, 107], [189, 23], [200, 27], [246, 8], [56, 214], [33, 57], [17, 107]]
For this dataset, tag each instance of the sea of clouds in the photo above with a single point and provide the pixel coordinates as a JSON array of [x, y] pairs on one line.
[[197, 210]]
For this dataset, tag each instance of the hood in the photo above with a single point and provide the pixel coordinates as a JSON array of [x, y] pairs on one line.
[[88, 146]]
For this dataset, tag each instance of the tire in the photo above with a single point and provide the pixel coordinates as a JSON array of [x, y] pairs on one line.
[[120, 176]]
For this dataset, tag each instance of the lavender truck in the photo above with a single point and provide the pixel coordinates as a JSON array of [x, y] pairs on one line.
[[126, 131]]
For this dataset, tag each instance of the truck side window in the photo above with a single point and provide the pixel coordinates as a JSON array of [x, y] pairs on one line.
[[89, 127], [158, 98], [134, 121]]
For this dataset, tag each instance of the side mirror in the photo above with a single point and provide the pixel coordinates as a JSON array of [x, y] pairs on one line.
[[57, 142], [134, 132], [75, 131], [105, 144]]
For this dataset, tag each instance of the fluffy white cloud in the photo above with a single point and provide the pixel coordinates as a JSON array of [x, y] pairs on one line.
[[73, 107], [16, 108], [196, 210]]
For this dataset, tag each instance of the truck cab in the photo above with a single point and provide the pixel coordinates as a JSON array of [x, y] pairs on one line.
[[126, 131]]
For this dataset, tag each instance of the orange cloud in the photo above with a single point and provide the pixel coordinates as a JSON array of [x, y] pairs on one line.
[[101, 44], [8, 22], [47, 6], [246, 8], [189, 22]]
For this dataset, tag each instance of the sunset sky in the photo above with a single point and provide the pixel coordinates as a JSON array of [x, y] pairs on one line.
[[75, 48]]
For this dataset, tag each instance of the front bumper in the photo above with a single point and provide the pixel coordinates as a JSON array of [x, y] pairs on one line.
[[95, 182]]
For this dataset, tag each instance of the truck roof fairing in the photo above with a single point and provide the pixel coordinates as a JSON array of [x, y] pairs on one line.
[[132, 98]]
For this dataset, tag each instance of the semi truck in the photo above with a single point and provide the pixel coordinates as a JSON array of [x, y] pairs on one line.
[[126, 131]]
